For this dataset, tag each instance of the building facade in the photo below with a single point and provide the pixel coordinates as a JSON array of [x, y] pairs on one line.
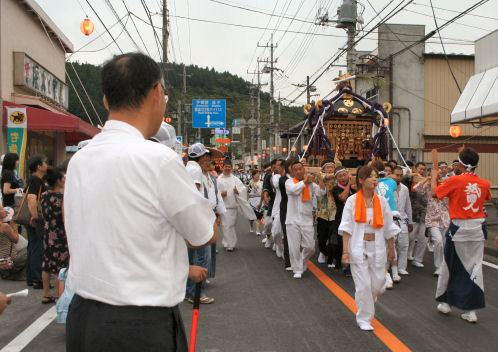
[[32, 77]]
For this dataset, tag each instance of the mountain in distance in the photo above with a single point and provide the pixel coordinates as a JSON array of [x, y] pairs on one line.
[[202, 83]]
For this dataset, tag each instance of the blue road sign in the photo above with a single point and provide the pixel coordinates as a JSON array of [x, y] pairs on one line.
[[208, 113]]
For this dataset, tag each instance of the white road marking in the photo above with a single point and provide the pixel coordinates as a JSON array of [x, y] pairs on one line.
[[491, 265], [25, 337]]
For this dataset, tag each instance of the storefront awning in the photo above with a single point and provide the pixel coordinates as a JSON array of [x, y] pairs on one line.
[[479, 100], [45, 120]]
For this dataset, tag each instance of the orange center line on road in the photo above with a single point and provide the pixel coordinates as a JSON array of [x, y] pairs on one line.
[[388, 338]]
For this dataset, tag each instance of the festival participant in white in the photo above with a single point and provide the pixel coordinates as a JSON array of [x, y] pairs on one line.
[[366, 224], [276, 228], [461, 282], [437, 219], [404, 207], [299, 219], [229, 186], [128, 222]]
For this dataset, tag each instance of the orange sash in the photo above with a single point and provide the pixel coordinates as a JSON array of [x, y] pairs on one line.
[[306, 191], [360, 210]]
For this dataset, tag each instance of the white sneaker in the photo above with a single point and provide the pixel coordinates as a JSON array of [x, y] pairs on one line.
[[402, 272], [410, 257], [332, 266], [258, 233], [389, 282], [396, 278], [444, 308], [417, 264], [437, 272], [297, 275], [268, 244], [289, 268], [264, 240], [366, 327], [322, 259], [274, 248], [471, 316]]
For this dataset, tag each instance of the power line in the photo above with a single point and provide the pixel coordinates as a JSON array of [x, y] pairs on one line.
[[444, 19], [156, 37], [113, 10], [455, 11], [444, 50], [103, 24], [134, 25], [188, 22]]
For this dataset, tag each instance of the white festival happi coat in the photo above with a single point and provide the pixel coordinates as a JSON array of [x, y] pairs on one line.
[[357, 230]]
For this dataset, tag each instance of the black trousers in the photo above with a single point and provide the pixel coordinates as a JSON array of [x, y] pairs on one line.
[[95, 326], [336, 241], [286, 244], [323, 229]]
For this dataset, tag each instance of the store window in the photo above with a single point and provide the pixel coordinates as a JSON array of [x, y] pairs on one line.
[[41, 142]]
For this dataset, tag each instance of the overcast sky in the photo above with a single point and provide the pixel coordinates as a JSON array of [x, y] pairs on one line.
[[234, 48]]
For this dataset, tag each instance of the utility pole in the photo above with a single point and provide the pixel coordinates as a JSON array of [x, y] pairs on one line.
[[258, 107], [347, 17], [183, 110], [165, 33], [270, 70], [277, 135], [251, 92], [308, 93]]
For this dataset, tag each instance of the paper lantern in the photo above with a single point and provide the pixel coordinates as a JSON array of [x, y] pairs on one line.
[[268, 149], [264, 155], [305, 147], [274, 147], [455, 131], [293, 149], [284, 149], [86, 26]]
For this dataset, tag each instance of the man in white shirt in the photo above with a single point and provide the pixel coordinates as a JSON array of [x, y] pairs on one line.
[[299, 219], [199, 157], [404, 221], [230, 187], [128, 221], [276, 229]]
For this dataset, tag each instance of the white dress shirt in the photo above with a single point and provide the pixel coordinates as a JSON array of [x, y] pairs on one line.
[[299, 212], [275, 210], [358, 229], [129, 207], [404, 206], [228, 183]]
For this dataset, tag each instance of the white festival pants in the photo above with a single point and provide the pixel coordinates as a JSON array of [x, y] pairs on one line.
[[277, 235], [402, 249], [228, 221], [301, 240], [418, 241], [437, 237], [369, 282], [268, 224]]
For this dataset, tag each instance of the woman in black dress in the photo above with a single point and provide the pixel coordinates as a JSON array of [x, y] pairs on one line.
[[10, 182], [55, 250]]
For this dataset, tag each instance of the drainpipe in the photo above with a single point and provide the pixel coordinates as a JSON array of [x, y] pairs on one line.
[[402, 108]]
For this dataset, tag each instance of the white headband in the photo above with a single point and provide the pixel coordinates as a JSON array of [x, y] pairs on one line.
[[467, 167], [329, 163], [339, 171]]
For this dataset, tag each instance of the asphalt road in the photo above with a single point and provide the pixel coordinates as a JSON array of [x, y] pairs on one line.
[[260, 307]]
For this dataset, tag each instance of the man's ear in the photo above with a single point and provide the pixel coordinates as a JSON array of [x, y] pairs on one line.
[[106, 104]]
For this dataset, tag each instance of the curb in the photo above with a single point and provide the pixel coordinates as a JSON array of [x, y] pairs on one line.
[[491, 251]]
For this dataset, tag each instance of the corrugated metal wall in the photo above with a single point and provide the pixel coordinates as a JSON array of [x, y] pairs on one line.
[[441, 95]]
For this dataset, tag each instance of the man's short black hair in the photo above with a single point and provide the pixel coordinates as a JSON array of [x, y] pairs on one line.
[[273, 162], [35, 161], [127, 78], [397, 168], [470, 157], [409, 163], [419, 163]]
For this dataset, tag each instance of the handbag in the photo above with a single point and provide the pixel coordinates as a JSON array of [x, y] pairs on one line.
[[7, 263], [23, 215]]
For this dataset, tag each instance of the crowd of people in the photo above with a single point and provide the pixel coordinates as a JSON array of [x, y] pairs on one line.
[[141, 243]]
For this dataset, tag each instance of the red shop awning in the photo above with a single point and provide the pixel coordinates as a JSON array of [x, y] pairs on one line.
[[45, 120]]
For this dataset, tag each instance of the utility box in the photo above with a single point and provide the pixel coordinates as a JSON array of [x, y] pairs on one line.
[[346, 14]]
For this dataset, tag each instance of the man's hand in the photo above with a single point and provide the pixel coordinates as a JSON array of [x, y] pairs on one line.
[[197, 273], [235, 190], [308, 179], [218, 220], [410, 227], [224, 194], [4, 301]]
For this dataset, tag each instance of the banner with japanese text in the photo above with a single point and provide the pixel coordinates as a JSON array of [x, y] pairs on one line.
[[17, 123]]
